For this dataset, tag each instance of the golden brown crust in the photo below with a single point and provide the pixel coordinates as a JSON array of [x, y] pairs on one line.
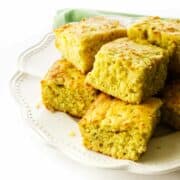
[[63, 72], [90, 26], [132, 54], [105, 111]]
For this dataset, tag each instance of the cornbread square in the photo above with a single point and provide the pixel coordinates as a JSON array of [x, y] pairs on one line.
[[162, 32], [121, 130], [171, 107], [80, 41], [128, 70], [64, 89]]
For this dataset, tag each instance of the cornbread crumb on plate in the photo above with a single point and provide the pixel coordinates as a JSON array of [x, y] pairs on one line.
[[64, 89], [38, 104], [129, 71], [72, 134], [118, 129], [162, 32], [80, 41], [171, 107]]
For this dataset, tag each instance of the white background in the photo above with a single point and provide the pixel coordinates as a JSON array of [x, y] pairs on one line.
[[22, 153]]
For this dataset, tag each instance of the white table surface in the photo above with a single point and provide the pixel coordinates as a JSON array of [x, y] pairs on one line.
[[23, 155]]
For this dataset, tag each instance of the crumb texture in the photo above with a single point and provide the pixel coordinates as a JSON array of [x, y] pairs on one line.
[[64, 89]]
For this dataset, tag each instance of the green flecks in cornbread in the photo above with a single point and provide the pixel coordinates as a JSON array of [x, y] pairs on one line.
[[121, 130], [80, 41], [129, 71], [64, 89]]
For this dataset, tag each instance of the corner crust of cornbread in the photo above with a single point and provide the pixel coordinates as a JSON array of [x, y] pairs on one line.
[[64, 89], [118, 129]]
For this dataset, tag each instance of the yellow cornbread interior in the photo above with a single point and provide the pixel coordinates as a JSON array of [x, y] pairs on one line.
[[128, 70], [64, 89], [118, 129], [162, 32], [79, 42]]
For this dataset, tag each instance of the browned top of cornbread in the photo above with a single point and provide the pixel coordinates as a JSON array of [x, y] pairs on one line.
[[171, 96], [168, 26], [120, 116], [131, 54], [64, 73], [90, 26]]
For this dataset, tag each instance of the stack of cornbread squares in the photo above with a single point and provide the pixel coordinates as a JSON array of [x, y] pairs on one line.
[[109, 77]]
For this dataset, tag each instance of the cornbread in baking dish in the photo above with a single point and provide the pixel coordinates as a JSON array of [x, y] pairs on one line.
[[80, 41], [162, 32], [118, 129], [64, 89], [171, 107], [129, 71]]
